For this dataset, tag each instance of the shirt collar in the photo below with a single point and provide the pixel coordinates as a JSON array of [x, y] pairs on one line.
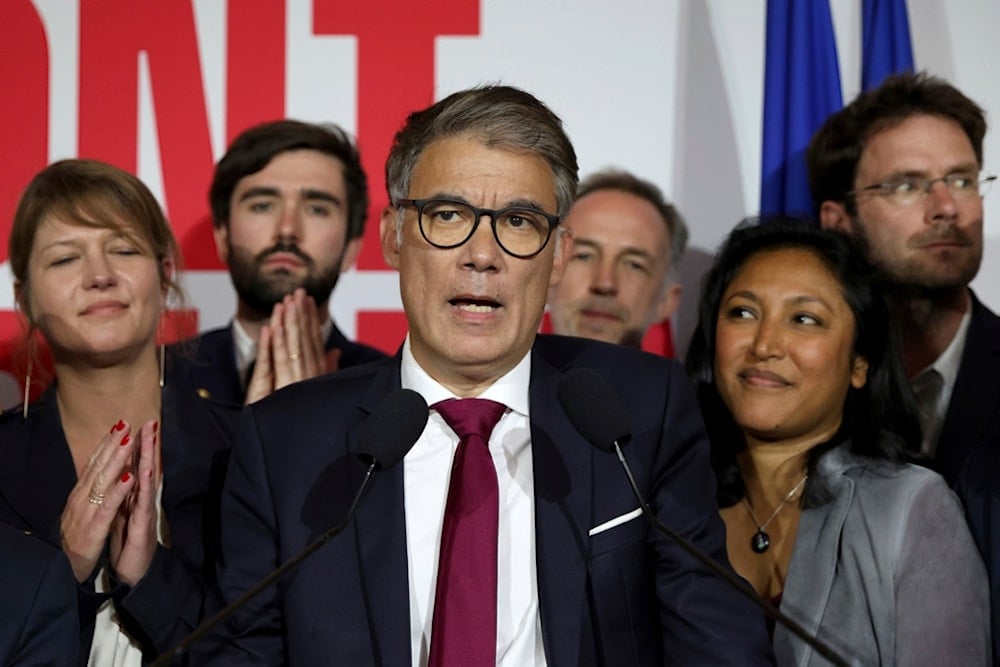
[[511, 389], [948, 363], [246, 349]]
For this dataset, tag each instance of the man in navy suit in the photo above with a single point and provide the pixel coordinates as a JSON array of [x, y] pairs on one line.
[[477, 183], [289, 201], [900, 168]]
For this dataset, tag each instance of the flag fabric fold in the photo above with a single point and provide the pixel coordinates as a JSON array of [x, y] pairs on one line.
[[801, 88], [886, 48]]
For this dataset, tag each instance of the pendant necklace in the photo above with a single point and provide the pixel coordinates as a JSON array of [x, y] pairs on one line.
[[761, 540]]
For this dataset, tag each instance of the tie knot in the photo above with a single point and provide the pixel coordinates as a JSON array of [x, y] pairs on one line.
[[927, 386], [927, 389], [471, 416]]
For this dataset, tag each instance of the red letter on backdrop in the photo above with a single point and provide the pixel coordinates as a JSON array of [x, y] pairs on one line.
[[24, 133], [395, 76], [255, 64], [112, 35]]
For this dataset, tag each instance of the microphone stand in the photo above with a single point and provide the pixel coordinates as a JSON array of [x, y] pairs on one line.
[[735, 581], [289, 565]]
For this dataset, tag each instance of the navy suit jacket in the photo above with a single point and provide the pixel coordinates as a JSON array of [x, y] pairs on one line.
[[975, 400], [212, 360], [39, 625], [37, 474], [978, 487], [968, 453], [622, 596]]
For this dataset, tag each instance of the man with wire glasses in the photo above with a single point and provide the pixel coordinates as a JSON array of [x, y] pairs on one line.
[[900, 168]]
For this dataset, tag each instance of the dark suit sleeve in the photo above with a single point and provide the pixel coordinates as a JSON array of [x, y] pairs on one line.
[[249, 547], [49, 632], [169, 601], [703, 620], [166, 604]]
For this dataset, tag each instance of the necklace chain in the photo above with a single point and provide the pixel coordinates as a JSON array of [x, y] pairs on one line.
[[788, 496]]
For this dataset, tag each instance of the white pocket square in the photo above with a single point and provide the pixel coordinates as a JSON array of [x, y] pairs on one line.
[[617, 521]]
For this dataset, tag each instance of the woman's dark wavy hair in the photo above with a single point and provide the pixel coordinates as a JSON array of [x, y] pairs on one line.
[[880, 419]]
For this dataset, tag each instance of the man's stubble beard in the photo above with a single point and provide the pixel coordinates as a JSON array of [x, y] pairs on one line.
[[912, 277]]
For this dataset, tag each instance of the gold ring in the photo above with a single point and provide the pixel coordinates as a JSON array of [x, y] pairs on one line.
[[96, 497], [294, 356]]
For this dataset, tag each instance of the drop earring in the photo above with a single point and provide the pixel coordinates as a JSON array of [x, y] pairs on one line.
[[163, 357], [27, 387]]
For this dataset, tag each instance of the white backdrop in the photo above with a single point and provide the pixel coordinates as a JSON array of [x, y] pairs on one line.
[[670, 89]]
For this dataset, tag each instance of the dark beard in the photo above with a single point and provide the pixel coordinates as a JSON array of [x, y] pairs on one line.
[[261, 292]]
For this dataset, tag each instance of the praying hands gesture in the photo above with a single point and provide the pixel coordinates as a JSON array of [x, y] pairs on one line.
[[114, 495], [290, 347], [133, 532]]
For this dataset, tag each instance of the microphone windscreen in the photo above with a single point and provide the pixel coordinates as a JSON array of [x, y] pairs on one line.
[[390, 431], [594, 408]]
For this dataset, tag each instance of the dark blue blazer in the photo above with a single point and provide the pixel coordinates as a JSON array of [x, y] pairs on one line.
[[623, 596], [968, 453], [975, 400], [978, 487], [37, 474], [39, 624], [212, 361]]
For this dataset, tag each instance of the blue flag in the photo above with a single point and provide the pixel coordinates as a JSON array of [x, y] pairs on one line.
[[886, 47], [801, 88]]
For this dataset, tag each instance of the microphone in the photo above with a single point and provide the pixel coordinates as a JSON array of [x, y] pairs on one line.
[[385, 438], [601, 417]]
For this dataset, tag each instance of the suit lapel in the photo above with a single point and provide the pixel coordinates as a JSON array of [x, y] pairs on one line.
[[178, 485], [562, 474], [814, 564], [38, 472], [972, 404], [215, 366], [193, 449], [380, 533]]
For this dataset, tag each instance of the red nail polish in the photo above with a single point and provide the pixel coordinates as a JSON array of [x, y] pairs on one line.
[[120, 426], [125, 440], [125, 477], [156, 426]]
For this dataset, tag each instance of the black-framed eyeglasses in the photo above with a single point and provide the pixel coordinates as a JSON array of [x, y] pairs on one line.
[[908, 190], [448, 223]]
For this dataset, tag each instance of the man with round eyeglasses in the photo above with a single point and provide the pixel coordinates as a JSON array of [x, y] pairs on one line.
[[542, 556]]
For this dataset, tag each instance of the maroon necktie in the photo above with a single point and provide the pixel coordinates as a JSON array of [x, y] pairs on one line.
[[464, 629]]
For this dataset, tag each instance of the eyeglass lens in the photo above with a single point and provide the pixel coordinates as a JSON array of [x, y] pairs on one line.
[[519, 231]]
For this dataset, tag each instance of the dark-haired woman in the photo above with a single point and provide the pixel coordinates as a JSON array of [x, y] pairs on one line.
[[114, 463], [811, 420]]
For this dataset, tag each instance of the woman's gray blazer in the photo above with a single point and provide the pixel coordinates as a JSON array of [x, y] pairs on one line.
[[887, 572]]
